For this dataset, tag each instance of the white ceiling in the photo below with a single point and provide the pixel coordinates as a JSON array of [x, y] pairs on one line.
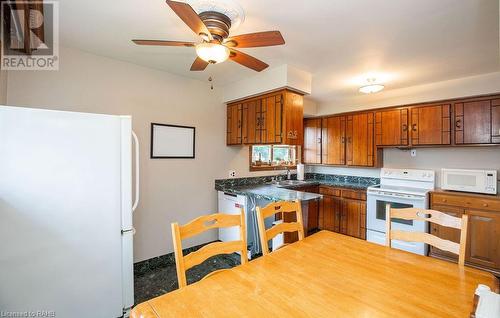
[[405, 42]]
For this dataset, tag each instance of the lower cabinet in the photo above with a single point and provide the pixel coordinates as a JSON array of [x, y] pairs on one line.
[[343, 211], [483, 243], [309, 215]]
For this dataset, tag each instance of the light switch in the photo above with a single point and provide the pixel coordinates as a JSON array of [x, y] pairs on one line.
[[413, 152]]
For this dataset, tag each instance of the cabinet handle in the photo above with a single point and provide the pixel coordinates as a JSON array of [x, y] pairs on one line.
[[342, 140], [444, 200], [319, 140], [239, 124], [405, 127], [414, 127], [348, 140], [485, 205], [458, 123]]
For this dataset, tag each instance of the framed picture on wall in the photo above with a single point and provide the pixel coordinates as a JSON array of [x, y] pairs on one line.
[[172, 141]]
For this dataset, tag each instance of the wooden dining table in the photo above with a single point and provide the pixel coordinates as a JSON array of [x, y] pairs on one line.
[[328, 275]]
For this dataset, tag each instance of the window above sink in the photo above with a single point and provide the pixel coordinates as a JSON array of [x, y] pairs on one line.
[[273, 157]]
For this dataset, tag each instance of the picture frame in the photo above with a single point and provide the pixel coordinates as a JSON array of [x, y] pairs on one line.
[[172, 141]]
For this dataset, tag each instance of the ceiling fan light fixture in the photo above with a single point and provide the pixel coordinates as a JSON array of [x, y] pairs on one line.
[[212, 52]]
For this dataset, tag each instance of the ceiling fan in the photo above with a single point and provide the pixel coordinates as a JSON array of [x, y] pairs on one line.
[[216, 46]]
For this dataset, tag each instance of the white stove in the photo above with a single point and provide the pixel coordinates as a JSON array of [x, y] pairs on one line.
[[402, 188]]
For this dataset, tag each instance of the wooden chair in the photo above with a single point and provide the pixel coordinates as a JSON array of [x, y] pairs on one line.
[[200, 225], [433, 216], [272, 209]]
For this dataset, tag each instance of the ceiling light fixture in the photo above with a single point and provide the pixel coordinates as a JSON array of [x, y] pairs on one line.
[[372, 87], [212, 52]]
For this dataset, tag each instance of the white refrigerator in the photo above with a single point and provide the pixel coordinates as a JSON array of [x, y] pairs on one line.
[[66, 213]]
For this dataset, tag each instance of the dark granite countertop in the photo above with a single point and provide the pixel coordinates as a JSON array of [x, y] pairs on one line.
[[262, 187], [272, 192]]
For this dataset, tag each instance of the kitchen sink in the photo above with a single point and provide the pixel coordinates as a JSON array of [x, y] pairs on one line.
[[290, 182]]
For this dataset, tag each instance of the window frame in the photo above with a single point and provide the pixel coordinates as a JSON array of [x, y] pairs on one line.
[[271, 167]]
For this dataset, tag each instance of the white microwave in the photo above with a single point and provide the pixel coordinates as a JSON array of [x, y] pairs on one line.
[[479, 181]]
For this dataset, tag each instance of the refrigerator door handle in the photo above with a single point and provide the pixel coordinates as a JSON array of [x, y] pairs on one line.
[[136, 142]]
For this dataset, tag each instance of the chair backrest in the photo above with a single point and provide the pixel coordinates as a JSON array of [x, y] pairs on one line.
[[272, 209], [432, 216], [200, 225]]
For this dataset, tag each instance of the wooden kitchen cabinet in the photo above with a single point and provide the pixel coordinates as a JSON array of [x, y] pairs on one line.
[[340, 213], [234, 116], [477, 122], [495, 121], [310, 214], [430, 125], [274, 118], [312, 141], [354, 218], [333, 140], [250, 122], [349, 140], [391, 127], [360, 150], [483, 243]]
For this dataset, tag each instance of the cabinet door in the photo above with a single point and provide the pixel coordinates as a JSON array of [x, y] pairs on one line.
[[473, 122], [250, 122], [333, 140], [329, 213], [483, 239], [293, 119], [430, 125], [495, 121], [312, 141], [270, 119], [353, 220], [312, 215], [359, 133], [234, 121], [391, 127], [445, 232]]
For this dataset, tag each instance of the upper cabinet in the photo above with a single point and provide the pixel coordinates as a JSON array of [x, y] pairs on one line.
[[477, 122], [430, 125], [341, 140], [333, 140], [275, 118], [360, 149], [312, 141], [391, 127], [234, 122]]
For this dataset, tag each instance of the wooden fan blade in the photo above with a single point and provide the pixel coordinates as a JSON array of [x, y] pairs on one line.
[[163, 43], [247, 60], [258, 39], [199, 65], [189, 16]]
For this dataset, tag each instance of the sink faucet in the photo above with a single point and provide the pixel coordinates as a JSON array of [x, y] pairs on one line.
[[288, 174]]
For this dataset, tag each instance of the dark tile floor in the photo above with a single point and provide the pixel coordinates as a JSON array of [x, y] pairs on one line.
[[162, 278]]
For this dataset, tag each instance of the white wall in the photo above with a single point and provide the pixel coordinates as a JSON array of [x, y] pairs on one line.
[[427, 158], [171, 190], [462, 87]]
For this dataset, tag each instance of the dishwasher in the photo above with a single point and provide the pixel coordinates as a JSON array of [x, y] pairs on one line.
[[229, 203]]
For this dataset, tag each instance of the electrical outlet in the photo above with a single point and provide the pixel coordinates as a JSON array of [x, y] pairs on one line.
[[413, 152], [232, 173]]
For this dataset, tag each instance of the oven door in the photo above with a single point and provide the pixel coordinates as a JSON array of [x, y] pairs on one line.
[[376, 216]]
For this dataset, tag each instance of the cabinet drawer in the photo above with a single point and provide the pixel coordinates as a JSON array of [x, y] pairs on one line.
[[466, 201], [326, 190], [354, 194]]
